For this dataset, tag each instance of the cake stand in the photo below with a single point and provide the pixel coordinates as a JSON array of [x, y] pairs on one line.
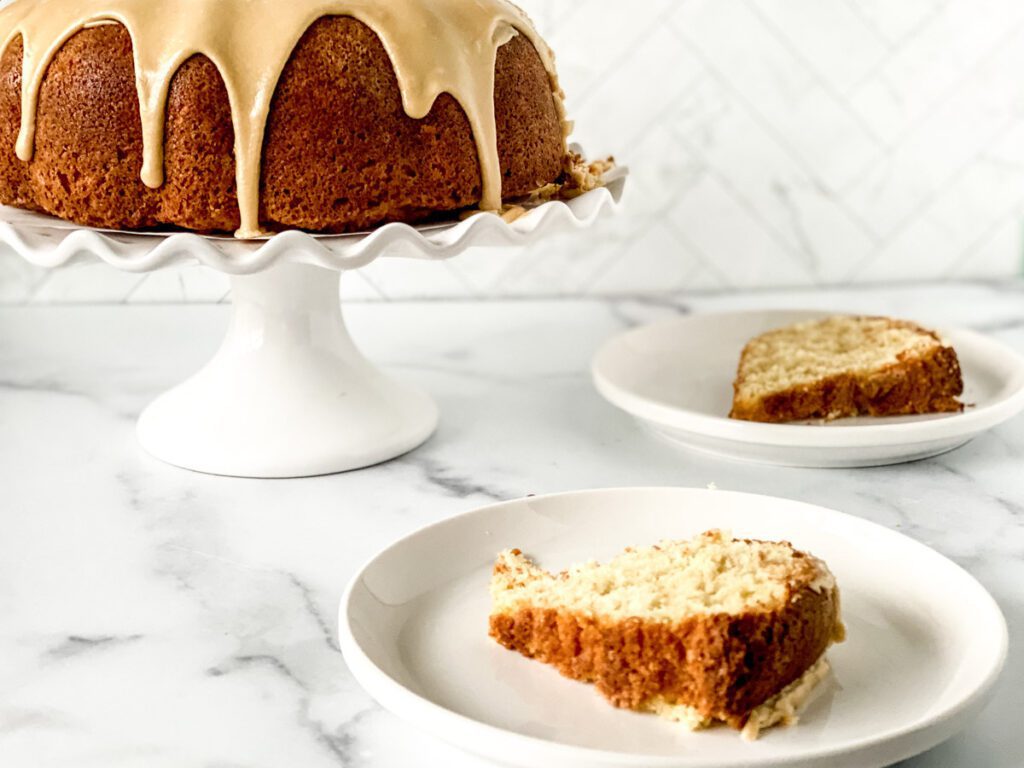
[[289, 394]]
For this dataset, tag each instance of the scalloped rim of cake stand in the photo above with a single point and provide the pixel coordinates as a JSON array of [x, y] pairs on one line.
[[289, 394], [48, 242]]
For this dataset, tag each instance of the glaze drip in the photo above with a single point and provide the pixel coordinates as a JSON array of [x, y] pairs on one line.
[[435, 47]]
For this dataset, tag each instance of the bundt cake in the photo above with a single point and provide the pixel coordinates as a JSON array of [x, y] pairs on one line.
[[846, 366], [713, 629], [255, 115]]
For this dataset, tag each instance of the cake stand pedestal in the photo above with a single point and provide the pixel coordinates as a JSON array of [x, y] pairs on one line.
[[289, 394]]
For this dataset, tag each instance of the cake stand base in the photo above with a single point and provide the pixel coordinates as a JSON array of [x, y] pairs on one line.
[[288, 394]]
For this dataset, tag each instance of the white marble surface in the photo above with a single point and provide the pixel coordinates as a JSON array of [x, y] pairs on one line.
[[153, 617]]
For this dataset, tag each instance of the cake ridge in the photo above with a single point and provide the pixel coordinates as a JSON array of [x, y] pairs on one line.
[[441, 46]]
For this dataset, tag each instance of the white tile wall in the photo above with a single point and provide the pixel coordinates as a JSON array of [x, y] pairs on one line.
[[772, 142]]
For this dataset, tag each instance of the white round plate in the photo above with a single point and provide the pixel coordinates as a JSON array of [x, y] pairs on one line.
[[676, 377], [925, 640]]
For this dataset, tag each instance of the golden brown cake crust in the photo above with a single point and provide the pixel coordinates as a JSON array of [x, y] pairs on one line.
[[15, 188], [340, 153], [721, 665], [916, 384]]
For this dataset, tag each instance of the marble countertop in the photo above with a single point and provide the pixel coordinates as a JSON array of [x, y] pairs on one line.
[[154, 617]]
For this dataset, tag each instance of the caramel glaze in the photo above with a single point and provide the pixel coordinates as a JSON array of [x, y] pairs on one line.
[[435, 47]]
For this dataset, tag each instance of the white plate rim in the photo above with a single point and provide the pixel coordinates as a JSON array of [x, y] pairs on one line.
[[446, 725], [970, 422]]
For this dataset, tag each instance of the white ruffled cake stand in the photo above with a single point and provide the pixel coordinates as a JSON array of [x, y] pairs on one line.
[[289, 394]]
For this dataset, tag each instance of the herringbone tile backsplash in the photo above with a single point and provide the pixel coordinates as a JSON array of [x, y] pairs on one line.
[[771, 142]]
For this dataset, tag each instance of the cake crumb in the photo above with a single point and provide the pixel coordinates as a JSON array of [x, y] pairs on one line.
[[579, 176]]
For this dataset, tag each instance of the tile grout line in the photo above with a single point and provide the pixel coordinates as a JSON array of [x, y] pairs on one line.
[[772, 132], [780, 37]]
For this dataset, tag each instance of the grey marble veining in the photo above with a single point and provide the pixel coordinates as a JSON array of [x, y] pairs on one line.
[[154, 617]]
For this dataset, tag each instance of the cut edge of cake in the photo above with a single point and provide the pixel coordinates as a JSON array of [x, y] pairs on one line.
[[845, 366], [597, 631]]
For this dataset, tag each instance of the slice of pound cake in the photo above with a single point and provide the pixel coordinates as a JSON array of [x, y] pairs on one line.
[[846, 366], [714, 629]]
